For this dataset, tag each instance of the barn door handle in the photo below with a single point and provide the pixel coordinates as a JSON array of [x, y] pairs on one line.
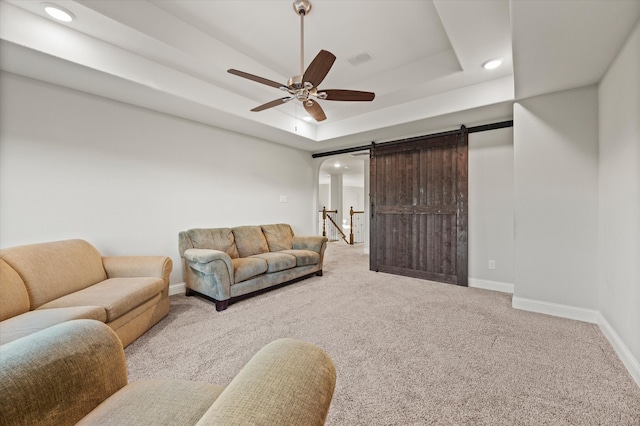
[[371, 210]]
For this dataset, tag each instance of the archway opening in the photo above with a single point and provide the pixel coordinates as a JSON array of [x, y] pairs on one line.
[[343, 191]]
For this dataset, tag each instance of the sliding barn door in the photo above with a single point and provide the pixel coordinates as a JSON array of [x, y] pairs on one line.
[[419, 207]]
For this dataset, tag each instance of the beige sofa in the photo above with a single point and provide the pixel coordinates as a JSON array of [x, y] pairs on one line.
[[76, 372], [226, 263], [49, 283]]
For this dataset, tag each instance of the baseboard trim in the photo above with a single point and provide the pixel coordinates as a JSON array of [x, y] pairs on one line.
[[491, 285], [555, 309], [178, 288], [625, 355]]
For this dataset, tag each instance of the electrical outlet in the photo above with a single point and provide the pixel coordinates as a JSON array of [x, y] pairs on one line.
[[492, 264]]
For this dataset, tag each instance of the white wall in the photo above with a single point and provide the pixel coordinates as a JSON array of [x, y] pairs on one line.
[[619, 197], [556, 200], [353, 196], [337, 196], [128, 180], [491, 201], [324, 196]]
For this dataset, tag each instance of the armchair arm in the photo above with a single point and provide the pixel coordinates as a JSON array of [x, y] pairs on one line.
[[314, 243], [60, 374], [138, 266], [288, 382]]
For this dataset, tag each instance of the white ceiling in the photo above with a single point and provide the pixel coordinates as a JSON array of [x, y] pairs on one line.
[[172, 56]]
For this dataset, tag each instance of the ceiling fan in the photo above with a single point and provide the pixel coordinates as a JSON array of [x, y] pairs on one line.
[[304, 87]]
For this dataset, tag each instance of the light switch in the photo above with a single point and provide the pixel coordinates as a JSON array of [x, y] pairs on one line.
[[283, 198]]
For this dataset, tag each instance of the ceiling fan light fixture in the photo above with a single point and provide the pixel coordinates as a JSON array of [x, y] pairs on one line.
[[57, 12], [492, 64]]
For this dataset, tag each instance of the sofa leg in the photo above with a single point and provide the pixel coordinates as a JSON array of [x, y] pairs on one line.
[[319, 273], [188, 292], [221, 305]]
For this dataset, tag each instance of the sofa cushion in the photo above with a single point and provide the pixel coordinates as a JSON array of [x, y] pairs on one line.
[[279, 236], [14, 299], [30, 322], [116, 295], [304, 257], [248, 267], [250, 240], [159, 402], [277, 261], [55, 269], [214, 238]]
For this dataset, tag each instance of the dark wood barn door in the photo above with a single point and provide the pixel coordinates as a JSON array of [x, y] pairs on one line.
[[419, 207]]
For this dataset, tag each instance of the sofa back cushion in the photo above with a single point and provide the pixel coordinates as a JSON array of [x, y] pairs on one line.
[[14, 299], [278, 236], [214, 239], [250, 240], [52, 270]]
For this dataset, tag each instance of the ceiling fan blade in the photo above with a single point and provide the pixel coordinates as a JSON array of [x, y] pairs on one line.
[[348, 95], [315, 110], [271, 104], [319, 68], [256, 78]]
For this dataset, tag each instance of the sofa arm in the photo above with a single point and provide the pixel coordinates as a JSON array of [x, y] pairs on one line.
[[58, 375], [210, 273], [202, 260], [315, 243], [288, 382], [138, 266]]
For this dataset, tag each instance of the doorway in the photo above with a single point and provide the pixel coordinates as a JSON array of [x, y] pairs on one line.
[[343, 185]]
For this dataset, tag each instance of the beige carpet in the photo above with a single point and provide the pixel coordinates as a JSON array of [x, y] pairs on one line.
[[407, 351]]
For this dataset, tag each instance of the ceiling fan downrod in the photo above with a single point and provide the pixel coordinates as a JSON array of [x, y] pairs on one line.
[[302, 8]]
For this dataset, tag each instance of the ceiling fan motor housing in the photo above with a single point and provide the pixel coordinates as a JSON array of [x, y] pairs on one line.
[[295, 82]]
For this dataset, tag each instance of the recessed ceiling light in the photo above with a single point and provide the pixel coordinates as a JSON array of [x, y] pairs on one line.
[[337, 165], [492, 64], [307, 118], [57, 12]]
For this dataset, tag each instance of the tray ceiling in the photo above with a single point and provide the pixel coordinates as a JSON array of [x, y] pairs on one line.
[[425, 59]]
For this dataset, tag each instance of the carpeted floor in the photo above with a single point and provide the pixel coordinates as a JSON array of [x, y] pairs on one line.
[[407, 351]]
